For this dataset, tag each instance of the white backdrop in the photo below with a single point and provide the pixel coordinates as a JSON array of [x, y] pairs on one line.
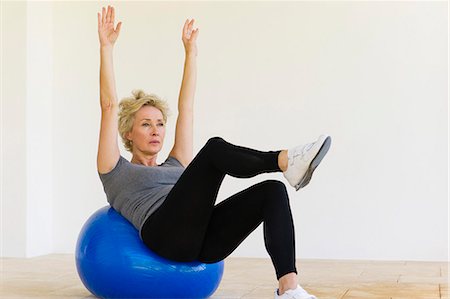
[[373, 75]]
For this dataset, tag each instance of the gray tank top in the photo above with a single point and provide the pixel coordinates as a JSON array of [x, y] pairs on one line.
[[136, 191]]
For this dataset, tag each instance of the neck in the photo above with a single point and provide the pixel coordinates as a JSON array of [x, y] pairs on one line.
[[147, 160]]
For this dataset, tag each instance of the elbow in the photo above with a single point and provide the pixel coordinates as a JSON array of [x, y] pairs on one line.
[[107, 105], [185, 107]]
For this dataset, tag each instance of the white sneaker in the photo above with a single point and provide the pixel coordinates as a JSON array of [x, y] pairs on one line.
[[298, 293], [303, 160]]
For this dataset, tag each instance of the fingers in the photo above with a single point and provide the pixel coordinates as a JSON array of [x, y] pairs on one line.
[[113, 14], [119, 25], [194, 34], [188, 24], [103, 15], [108, 15], [187, 28], [191, 23]]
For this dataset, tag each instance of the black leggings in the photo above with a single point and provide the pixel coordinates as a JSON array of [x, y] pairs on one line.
[[188, 226]]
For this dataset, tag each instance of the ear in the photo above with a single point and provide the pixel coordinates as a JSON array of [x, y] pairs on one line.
[[127, 136]]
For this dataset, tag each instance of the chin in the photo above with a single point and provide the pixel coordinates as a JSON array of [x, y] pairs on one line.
[[157, 150]]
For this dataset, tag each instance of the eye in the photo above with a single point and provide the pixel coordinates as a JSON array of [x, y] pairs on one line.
[[145, 124], [161, 124]]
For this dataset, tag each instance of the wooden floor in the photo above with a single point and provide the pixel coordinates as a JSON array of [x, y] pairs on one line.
[[55, 276]]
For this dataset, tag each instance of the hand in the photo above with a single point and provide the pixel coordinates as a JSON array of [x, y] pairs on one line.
[[106, 32], [189, 37]]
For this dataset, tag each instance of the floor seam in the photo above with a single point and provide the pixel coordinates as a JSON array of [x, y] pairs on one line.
[[345, 293]]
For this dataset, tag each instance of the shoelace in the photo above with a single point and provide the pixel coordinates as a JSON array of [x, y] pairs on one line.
[[302, 151]]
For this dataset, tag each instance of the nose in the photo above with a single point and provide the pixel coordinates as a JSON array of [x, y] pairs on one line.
[[154, 131]]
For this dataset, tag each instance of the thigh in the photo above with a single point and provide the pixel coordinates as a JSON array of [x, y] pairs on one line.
[[177, 228], [235, 218]]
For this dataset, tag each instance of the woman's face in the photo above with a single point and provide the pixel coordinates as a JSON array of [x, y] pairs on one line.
[[148, 130]]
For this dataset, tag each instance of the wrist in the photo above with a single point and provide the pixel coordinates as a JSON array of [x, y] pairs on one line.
[[190, 54], [106, 47]]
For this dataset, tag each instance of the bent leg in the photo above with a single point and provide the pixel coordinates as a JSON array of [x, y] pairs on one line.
[[235, 218], [177, 229]]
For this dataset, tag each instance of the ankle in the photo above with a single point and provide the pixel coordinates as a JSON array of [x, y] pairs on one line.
[[283, 160], [287, 282]]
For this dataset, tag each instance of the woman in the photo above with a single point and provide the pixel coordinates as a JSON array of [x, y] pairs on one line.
[[173, 204]]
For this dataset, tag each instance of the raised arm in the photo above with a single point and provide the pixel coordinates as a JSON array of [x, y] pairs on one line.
[[184, 135], [108, 148]]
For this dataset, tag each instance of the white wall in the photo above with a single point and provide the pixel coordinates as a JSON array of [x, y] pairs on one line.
[[39, 128], [13, 129], [26, 129], [272, 75]]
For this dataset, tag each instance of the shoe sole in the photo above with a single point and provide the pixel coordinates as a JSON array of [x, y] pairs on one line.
[[314, 163]]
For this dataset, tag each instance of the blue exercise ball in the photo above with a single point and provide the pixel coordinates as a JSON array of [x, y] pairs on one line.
[[113, 262]]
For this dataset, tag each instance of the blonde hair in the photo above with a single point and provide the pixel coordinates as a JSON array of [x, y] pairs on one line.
[[130, 105]]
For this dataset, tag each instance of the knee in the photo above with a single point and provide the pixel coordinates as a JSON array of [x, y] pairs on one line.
[[273, 185], [215, 139], [214, 143], [275, 190]]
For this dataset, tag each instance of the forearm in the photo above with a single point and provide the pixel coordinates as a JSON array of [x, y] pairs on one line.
[[188, 84], [108, 96]]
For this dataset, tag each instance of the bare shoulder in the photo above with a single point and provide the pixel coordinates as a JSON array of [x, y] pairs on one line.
[[180, 159]]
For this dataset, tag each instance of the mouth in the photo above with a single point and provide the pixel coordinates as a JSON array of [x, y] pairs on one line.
[[155, 142]]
